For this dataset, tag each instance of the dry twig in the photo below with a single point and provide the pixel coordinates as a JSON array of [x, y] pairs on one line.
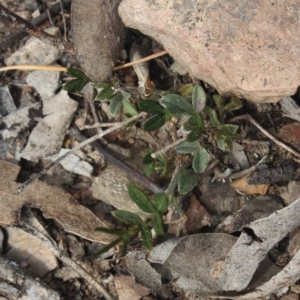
[[266, 133], [35, 31], [81, 145]]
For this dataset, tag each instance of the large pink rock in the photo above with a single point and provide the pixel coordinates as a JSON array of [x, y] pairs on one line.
[[247, 48]]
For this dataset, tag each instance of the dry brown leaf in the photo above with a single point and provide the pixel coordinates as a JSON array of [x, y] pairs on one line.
[[197, 216], [290, 134], [54, 202], [128, 289], [242, 185]]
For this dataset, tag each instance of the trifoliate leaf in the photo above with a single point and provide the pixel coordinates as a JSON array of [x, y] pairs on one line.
[[140, 199], [177, 105], [200, 160]]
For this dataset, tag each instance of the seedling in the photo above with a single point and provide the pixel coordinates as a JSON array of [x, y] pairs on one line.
[[136, 225], [159, 164]]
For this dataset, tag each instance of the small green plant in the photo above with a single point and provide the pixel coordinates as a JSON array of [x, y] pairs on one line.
[[136, 225], [159, 164], [79, 81], [116, 97]]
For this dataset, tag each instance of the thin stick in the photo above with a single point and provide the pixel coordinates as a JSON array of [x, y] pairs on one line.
[[266, 133], [164, 52], [45, 37], [64, 69], [33, 67], [167, 148], [97, 125], [81, 145]]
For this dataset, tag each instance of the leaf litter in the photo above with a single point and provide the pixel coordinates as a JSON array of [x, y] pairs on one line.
[[205, 264]]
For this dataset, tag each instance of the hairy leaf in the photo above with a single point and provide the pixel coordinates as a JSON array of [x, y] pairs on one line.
[[158, 224], [75, 85], [154, 123], [105, 93], [115, 104], [151, 107], [186, 181], [146, 237], [188, 147], [177, 105], [200, 160], [77, 74], [161, 202], [198, 98], [127, 217], [194, 135], [140, 199]]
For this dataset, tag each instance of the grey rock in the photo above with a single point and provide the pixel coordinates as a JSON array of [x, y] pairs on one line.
[[35, 52], [247, 48], [45, 82]]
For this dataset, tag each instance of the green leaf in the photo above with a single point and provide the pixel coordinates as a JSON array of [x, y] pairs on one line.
[[198, 98], [162, 159], [197, 120], [75, 85], [115, 104], [110, 231], [234, 104], [186, 90], [187, 147], [146, 237], [140, 199], [228, 129], [158, 224], [148, 159], [127, 217], [221, 143], [124, 247], [149, 169], [151, 107], [177, 105], [186, 181], [194, 135], [228, 143], [106, 93], [77, 74], [200, 160], [212, 116], [125, 95], [154, 123], [129, 109], [161, 202], [219, 100]]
